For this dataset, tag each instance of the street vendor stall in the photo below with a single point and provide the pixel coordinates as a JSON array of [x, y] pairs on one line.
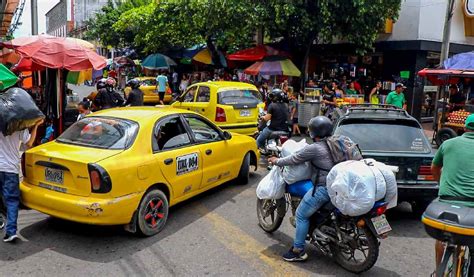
[[448, 122], [310, 105]]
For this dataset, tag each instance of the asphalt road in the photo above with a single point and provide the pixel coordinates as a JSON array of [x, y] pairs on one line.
[[212, 234]]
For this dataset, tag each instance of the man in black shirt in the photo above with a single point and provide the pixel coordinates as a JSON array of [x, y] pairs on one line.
[[278, 114], [457, 100]]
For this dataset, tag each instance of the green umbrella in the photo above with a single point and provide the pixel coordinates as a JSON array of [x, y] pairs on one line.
[[157, 61], [7, 78]]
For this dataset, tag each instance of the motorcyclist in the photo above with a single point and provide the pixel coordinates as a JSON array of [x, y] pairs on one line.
[[278, 113], [110, 85], [135, 97], [105, 98], [319, 155]]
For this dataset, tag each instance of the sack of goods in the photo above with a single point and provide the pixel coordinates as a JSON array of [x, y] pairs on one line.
[[294, 173], [18, 111], [271, 186], [355, 186]]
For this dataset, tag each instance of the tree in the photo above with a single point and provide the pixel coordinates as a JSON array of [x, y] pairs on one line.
[[224, 24], [99, 27], [303, 22]]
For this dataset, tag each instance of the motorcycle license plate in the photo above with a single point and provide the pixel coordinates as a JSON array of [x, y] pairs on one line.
[[381, 225], [244, 112]]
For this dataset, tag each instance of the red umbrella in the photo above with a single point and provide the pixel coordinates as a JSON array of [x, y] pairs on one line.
[[55, 52], [124, 61], [256, 53]]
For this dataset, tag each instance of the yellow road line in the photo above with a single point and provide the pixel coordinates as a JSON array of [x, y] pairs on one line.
[[248, 248]]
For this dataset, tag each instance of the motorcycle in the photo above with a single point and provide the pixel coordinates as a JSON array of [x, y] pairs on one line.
[[353, 242], [274, 141]]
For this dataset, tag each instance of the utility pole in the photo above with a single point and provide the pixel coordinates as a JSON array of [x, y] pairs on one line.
[[34, 17], [446, 32], [444, 56]]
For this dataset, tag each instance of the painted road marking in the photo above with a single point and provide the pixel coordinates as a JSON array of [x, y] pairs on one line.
[[248, 248]]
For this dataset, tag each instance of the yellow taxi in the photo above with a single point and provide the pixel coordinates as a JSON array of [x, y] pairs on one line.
[[150, 94], [127, 166], [233, 106]]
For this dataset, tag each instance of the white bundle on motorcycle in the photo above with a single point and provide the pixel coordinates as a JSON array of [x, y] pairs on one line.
[[354, 186], [294, 173], [272, 186]]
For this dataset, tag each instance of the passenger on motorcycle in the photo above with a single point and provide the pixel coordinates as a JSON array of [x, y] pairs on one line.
[[319, 155], [278, 113], [453, 165]]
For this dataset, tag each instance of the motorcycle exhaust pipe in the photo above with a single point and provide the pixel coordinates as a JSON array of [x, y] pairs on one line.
[[320, 236]]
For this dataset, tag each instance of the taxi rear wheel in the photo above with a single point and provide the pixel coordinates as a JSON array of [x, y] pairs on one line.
[[152, 213], [244, 172]]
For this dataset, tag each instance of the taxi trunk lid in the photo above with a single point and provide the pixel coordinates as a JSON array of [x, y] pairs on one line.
[[62, 167]]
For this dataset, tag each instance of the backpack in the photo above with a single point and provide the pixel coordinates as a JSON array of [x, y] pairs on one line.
[[343, 149]]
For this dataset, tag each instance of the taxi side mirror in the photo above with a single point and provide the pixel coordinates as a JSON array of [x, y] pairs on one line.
[[227, 135]]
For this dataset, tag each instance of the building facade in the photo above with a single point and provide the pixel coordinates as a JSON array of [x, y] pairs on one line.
[[82, 11], [410, 44], [56, 20]]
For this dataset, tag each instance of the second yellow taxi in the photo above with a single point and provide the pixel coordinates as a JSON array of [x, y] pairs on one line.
[[129, 165], [233, 106]]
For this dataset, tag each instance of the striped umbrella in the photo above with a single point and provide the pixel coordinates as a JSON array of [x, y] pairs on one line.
[[158, 61], [79, 77], [275, 66]]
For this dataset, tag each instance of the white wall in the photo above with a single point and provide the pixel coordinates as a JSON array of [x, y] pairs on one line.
[[406, 27], [424, 20]]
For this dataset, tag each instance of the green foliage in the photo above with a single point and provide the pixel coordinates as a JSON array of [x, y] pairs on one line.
[[100, 29], [303, 21], [231, 24]]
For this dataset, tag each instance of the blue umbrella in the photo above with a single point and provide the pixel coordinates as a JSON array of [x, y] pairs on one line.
[[158, 61], [463, 61]]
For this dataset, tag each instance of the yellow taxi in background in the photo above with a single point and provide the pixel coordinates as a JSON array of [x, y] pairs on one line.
[[129, 165], [150, 94], [233, 106]]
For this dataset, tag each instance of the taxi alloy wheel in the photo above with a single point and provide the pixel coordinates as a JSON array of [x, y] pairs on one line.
[[153, 213]]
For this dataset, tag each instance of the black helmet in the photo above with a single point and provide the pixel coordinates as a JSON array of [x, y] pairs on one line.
[[278, 95], [101, 83], [134, 83], [320, 126]]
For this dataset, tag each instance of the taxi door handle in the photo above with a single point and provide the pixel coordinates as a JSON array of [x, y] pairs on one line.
[[208, 152], [168, 161]]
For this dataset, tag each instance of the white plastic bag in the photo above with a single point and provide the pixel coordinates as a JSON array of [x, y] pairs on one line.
[[391, 189], [294, 173], [351, 187], [354, 186], [272, 186]]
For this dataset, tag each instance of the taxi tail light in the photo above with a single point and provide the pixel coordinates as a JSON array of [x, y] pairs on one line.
[[424, 173], [100, 179], [23, 165], [220, 115]]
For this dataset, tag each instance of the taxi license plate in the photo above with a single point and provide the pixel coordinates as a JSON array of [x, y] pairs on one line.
[[54, 175], [381, 225], [244, 112]]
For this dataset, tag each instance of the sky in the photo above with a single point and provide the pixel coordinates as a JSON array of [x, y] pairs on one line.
[[43, 7]]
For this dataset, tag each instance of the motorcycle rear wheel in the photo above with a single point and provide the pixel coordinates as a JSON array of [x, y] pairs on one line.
[[267, 212], [365, 241]]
